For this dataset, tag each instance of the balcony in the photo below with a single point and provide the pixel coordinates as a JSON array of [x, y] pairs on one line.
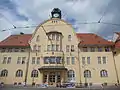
[[53, 61], [53, 53]]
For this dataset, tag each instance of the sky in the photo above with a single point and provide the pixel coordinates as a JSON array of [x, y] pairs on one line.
[[22, 13]]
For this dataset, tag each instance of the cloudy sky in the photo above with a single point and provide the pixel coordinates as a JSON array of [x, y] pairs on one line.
[[22, 13]]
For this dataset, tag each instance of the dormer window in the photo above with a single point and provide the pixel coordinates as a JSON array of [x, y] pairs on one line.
[[69, 38], [38, 38]]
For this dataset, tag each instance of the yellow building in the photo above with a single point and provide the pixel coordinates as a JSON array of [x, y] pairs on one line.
[[55, 53]]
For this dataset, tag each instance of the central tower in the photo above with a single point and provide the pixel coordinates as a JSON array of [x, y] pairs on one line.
[[56, 13]]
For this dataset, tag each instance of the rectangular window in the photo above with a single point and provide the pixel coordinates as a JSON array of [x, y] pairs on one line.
[[72, 48], [9, 49], [33, 60], [53, 47], [85, 49], [100, 49], [16, 49], [88, 60], [57, 47], [23, 60], [39, 48], [107, 49], [46, 60], [3, 50], [48, 47], [68, 60], [4, 60], [22, 49], [104, 60], [99, 60], [83, 60], [9, 60], [73, 60], [38, 60], [92, 49], [19, 60], [67, 48]]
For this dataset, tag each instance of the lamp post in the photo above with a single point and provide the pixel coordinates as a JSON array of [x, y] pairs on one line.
[[113, 53], [79, 62], [27, 66]]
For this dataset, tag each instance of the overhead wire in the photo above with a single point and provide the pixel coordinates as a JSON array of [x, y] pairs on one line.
[[8, 20], [79, 23], [104, 12]]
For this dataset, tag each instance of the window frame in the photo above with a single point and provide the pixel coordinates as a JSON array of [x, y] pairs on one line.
[[68, 60], [19, 73], [33, 60], [103, 73], [34, 73], [4, 73], [83, 61], [72, 60], [87, 74], [99, 60], [88, 60], [71, 75]]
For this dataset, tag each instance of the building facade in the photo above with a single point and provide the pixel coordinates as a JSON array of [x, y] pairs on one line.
[[55, 53]]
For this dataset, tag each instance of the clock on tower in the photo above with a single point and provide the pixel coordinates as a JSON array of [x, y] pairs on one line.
[[56, 13]]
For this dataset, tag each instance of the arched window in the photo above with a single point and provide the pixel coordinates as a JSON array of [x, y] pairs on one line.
[[4, 73], [103, 73], [87, 74], [34, 73], [71, 75], [38, 38], [19, 73]]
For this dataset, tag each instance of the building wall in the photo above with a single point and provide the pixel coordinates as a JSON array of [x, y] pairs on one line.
[[78, 67], [13, 67]]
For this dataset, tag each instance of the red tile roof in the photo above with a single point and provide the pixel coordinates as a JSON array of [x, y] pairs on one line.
[[16, 40], [86, 39], [92, 39]]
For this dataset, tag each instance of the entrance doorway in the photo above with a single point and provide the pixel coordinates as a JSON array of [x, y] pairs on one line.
[[52, 77]]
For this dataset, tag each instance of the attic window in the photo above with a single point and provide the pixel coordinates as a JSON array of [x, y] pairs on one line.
[[16, 49], [92, 49], [85, 49], [3, 50], [107, 49]]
